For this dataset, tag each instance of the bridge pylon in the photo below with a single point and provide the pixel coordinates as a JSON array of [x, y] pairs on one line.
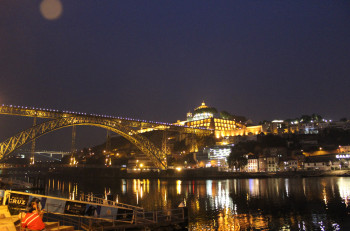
[[108, 161], [73, 148], [32, 160], [165, 146]]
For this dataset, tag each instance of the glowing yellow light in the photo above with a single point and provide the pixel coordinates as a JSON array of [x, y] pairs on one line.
[[178, 186], [51, 9]]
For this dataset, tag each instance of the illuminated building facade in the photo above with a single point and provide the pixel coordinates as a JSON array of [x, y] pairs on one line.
[[217, 155], [272, 163], [204, 116], [279, 127], [252, 164], [344, 149]]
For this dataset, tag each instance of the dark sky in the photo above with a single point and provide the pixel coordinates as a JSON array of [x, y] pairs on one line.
[[156, 60]]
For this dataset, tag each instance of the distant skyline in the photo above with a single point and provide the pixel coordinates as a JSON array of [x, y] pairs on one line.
[[157, 60]]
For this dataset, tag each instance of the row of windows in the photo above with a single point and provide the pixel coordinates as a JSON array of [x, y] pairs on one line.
[[308, 164], [199, 122], [221, 121], [221, 128], [199, 125], [224, 121], [217, 126], [224, 125]]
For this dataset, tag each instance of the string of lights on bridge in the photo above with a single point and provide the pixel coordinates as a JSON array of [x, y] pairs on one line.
[[98, 115]]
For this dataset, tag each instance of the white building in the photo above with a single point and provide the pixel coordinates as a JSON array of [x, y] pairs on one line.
[[217, 155], [272, 164], [253, 164], [290, 165], [344, 149], [318, 165]]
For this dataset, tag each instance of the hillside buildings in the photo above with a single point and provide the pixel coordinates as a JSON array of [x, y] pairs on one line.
[[230, 129], [223, 124], [279, 127]]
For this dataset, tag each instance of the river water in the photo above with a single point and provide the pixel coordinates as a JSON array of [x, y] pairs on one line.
[[315, 203]]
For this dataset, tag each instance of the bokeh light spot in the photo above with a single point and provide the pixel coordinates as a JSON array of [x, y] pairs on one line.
[[51, 9]]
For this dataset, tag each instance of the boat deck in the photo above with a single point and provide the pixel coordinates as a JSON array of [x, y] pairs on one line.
[[91, 213]]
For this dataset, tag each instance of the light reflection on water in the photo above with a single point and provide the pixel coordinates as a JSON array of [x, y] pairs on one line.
[[235, 204]]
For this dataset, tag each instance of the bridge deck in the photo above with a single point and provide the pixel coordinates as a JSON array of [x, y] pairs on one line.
[[136, 123]]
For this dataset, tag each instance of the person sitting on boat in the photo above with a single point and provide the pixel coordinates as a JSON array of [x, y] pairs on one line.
[[33, 218]]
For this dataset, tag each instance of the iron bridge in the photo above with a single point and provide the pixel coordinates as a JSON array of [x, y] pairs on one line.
[[125, 127]]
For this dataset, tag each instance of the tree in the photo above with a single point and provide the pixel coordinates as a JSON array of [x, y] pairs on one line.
[[308, 118], [205, 141], [206, 110], [316, 117], [225, 115], [264, 122], [272, 141], [305, 118], [237, 157]]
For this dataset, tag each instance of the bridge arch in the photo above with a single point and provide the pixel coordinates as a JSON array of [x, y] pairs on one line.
[[24, 137]]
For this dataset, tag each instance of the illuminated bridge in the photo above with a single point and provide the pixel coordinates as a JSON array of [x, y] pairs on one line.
[[126, 127], [47, 155]]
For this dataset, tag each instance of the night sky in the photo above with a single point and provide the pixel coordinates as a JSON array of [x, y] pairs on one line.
[[157, 60]]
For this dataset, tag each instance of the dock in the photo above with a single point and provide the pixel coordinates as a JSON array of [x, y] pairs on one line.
[[89, 213]]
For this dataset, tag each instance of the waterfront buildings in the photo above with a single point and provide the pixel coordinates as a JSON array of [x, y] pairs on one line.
[[252, 164], [216, 156], [344, 148]]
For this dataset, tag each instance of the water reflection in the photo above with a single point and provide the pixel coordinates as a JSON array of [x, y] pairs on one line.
[[344, 190], [178, 187], [237, 204]]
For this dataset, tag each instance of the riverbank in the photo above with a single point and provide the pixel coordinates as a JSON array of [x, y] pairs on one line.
[[189, 174], [214, 174], [201, 173]]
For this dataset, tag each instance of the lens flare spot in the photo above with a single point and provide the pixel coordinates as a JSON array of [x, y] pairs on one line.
[[51, 9]]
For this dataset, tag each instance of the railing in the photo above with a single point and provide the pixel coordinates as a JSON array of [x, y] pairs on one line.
[[123, 215], [93, 222], [170, 215], [126, 219], [15, 182], [98, 200], [77, 222], [55, 114]]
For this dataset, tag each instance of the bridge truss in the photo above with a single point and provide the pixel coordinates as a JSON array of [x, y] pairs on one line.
[[28, 135], [122, 126]]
